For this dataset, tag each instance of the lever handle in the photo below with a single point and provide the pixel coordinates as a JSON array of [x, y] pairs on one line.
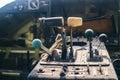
[[103, 37], [89, 33], [37, 43]]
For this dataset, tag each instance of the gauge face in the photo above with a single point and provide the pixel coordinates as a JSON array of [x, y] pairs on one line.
[[33, 4]]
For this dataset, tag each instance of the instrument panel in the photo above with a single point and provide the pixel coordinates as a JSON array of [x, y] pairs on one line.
[[42, 6]]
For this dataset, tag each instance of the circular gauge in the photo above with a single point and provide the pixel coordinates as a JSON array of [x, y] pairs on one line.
[[33, 4]]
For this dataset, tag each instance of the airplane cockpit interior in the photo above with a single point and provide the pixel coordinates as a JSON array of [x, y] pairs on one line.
[[59, 39]]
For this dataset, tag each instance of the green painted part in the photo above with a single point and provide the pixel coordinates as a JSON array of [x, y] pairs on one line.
[[36, 43], [89, 33]]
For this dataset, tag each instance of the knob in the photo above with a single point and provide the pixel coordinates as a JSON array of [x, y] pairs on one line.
[[103, 37], [89, 33], [36, 43], [62, 74], [41, 70]]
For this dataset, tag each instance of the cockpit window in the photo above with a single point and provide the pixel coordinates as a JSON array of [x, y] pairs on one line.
[[5, 2]]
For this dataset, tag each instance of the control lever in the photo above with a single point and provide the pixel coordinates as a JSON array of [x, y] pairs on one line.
[[36, 43], [88, 69], [103, 38], [73, 22], [65, 68], [64, 48], [57, 43], [100, 69], [89, 33]]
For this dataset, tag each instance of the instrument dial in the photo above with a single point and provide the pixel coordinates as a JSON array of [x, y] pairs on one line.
[[33, 4]]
